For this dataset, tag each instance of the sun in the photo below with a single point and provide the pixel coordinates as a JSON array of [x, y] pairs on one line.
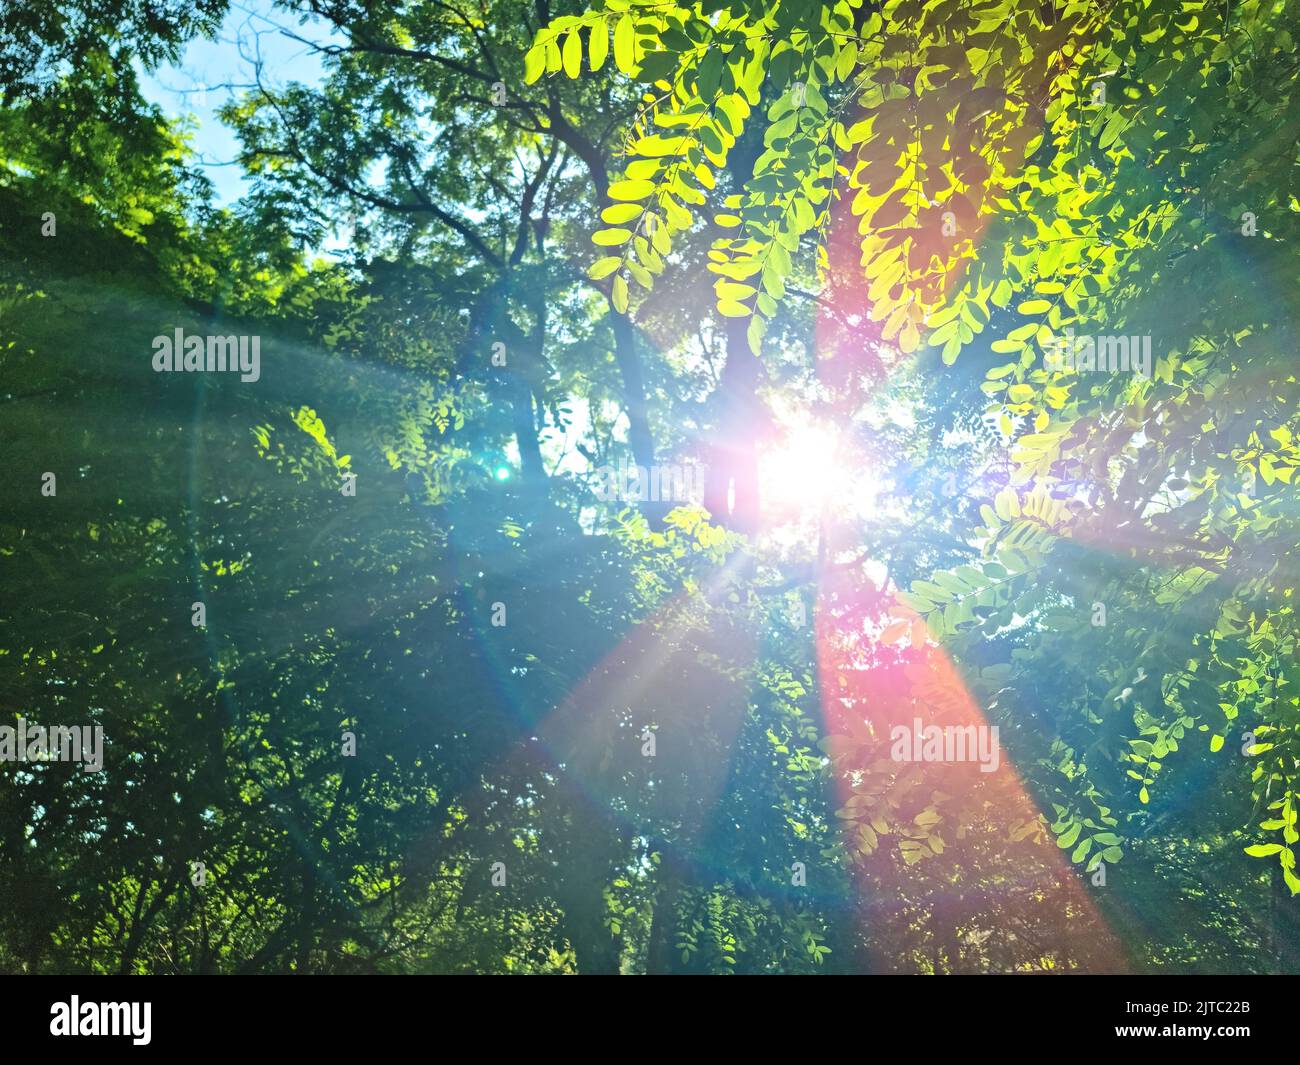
[[801, 472]]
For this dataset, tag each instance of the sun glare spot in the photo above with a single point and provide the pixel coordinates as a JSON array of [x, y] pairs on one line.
[[800, 473]]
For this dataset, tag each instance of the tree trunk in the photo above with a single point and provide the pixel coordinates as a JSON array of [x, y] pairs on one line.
[[733, 447], [659, 952], [634, 401]]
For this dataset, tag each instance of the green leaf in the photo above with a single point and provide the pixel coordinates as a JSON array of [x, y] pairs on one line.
[[624, 52], [734, 291], [635, 189], [641, 275], [573, 53], [618, 213], [598, 49], [710, 72], [534, 63], [603, 267], [1007, 504]]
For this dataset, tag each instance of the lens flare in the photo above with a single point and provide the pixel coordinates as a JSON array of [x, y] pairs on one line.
[[800, 473]]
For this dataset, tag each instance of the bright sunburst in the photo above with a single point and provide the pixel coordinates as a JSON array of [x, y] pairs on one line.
[[801, 472]]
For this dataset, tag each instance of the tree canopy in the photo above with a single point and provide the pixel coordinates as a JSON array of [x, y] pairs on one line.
[[396, 670]]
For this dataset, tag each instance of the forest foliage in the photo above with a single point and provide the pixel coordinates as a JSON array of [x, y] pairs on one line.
[[501, 244]]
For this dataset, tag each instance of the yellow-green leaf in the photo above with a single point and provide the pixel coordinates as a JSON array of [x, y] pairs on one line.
[[732, 291], [599, 46], [610, 237], [631, 190], [534, 63], [573, 53], [603, 267], [624, 56], [617, 213]]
